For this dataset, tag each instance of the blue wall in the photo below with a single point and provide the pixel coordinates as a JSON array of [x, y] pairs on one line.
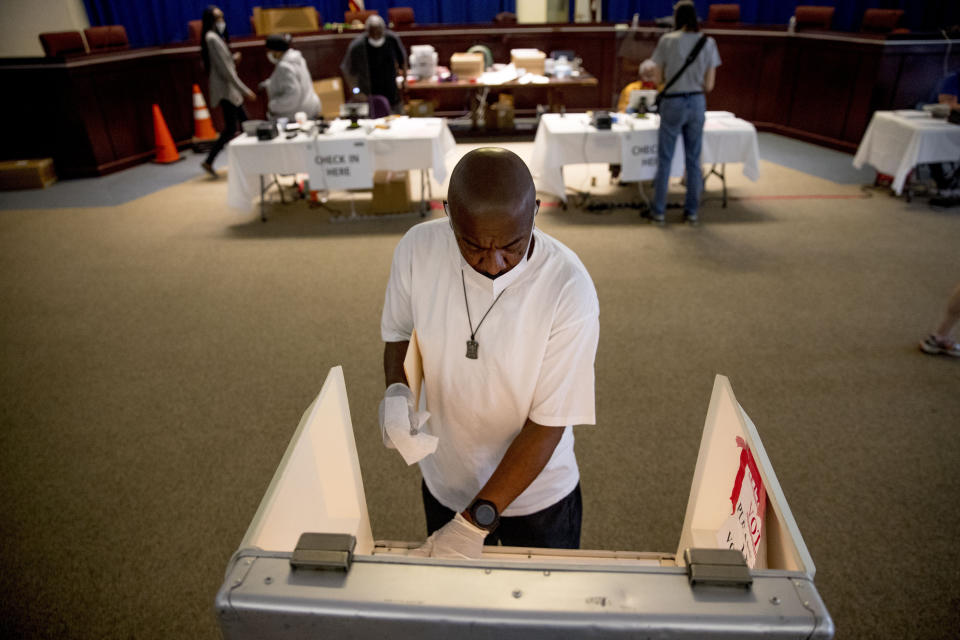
[[153, 22]]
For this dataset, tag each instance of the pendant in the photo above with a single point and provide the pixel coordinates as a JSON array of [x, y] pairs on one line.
[[472, 347]]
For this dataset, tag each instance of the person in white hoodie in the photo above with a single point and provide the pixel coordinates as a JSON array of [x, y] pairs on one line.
[[289, 87]]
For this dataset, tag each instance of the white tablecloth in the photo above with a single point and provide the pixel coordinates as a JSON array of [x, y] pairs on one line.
[[897, 141], [409, 143], [570, 139]]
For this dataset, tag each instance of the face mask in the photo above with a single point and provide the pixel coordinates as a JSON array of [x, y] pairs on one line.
[[272, 57], [221, 26], [378, 42]]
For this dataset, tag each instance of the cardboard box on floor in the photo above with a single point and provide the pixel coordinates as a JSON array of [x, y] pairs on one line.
[[27, 174], [499, 115], [391, 192], [330, 92], [417, 108], [523, 592]]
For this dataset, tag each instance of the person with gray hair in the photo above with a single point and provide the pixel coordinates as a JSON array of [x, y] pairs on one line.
[[373, 61]]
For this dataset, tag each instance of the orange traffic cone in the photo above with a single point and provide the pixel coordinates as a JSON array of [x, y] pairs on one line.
[[166, 149], [202, 124]]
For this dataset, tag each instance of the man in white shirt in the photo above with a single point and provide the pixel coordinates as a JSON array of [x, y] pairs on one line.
[[507, 322]]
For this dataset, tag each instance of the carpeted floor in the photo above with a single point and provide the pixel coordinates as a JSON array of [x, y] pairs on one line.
[[157, 355]]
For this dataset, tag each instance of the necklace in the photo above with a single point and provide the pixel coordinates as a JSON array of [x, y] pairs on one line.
[[472, 345]]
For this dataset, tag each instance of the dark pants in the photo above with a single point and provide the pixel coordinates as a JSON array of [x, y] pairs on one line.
[[232, 117], [556, 527]]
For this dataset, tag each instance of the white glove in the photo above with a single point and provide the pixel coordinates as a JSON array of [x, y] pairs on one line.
[[400, 425], [456, 539], [397, 390]]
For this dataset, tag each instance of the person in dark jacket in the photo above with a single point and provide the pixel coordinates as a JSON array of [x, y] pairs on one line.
[[226, 88], [373, 61]]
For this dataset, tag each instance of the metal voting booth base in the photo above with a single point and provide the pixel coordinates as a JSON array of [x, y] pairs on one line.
[[374, 590]]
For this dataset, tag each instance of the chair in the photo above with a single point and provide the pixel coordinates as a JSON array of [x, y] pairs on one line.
[[109, 38], [194, 28], [809, 17], [379, 106], [505, 18], [882, 21], [350, 16], [62, 43], [724, 13], [400, 16]]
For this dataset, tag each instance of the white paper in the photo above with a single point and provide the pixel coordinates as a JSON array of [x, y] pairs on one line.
[[413, 448], [340, 163]]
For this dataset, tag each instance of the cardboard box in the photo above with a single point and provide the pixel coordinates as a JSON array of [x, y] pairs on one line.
[[330, 92], [285, 20], [499, 115], [420, 108], [533, 60], [391, 192], [466, 66], [27, 174]]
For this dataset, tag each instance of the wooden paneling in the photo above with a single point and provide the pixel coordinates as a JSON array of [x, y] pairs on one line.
[[93, 114]]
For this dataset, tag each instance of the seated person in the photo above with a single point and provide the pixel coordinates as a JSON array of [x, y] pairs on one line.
[[289, 87], [648, 80]]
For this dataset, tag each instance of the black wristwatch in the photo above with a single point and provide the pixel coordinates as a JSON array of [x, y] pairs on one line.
[[484, 514]]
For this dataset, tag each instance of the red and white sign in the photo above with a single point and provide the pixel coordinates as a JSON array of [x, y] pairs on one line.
[[743, 529]]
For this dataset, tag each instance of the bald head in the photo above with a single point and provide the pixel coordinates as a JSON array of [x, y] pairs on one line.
[[375, 26], [492, 205]]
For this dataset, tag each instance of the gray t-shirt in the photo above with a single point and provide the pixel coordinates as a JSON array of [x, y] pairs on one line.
[[672, 52]]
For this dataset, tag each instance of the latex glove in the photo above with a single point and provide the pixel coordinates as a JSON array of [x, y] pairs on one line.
[[456, 539], [397, 390]]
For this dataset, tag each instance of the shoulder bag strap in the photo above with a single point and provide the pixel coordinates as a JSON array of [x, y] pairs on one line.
[[690, 58]]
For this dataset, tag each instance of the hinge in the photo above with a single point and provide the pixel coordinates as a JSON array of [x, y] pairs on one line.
[[717, 567]]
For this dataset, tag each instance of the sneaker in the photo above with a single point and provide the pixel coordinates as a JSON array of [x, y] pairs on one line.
[[935, 347], [209, 169], [654, 218], [691, 219]]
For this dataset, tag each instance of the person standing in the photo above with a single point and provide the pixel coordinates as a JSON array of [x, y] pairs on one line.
[[683, 106], [226, 88], [289, 87], [507, 319], [941, 342], [373, 61]]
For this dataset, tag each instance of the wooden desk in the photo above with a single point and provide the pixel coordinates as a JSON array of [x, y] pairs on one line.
[[556, 89], [92, 114]]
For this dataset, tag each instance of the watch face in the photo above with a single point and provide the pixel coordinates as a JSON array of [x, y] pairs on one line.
[[484, 515]]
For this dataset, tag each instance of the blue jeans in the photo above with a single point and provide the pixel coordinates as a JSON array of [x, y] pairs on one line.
[[681, 114]]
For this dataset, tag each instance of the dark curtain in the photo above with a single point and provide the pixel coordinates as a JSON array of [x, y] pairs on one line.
[[155, 22]]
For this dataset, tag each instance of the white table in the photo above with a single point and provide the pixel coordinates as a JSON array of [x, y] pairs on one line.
[[570, 139], [898, 141], [409, 143]]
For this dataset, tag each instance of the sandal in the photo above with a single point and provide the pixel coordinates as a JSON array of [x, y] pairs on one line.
[[935, 346]]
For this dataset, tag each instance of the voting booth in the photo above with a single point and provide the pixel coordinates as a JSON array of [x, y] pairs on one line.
[[337, 581]]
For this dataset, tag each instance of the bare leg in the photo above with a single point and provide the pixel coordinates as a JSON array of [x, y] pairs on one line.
[[950, 318]]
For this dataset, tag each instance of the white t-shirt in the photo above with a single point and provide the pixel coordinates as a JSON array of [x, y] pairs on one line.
[[536, 355]]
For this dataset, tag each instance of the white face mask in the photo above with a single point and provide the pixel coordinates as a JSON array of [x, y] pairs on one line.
[[273, 57], [378, 42], [221, 25]]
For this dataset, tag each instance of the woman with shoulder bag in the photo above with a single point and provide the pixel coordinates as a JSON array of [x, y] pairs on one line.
[[688, 62]]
